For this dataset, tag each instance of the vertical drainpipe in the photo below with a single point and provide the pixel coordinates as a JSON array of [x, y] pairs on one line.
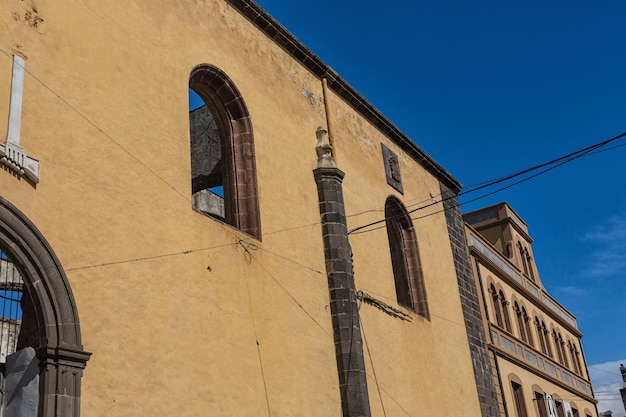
[[343, 300]]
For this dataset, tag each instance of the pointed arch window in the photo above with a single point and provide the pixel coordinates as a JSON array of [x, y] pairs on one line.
[[405, 258], [223, 167]]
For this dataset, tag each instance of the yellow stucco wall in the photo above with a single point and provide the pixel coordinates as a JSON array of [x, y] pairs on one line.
[[182, 318]]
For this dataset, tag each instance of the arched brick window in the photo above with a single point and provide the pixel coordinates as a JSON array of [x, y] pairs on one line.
[[223, 167], [49, 322], [405, 258]]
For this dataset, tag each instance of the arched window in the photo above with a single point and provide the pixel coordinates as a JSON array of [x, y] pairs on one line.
[[223, 167], [522, 256], [43, 312], [547, 339], [527, 325], [563, 351], [505, 311], [405, 258], [578, 363], [523, 324], [518, 397], [541, 335], [557, 346], [521, 328], [574, 356], [497, 307]]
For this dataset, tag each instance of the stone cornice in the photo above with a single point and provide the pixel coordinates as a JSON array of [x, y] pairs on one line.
[[270, 26]]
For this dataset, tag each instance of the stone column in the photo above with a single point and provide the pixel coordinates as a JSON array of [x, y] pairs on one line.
[[343, 300]]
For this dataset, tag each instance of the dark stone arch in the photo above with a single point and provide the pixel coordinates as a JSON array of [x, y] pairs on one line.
[[226, 103], [59, 347]]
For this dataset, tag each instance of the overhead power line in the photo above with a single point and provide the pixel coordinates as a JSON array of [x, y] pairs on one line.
[[551, 165]]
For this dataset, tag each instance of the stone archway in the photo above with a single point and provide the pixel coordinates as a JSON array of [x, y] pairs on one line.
[[53, 320]]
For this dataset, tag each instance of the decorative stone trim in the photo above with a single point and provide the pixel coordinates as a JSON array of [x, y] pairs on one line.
[[392, 168], [15, 158], [12, 155]]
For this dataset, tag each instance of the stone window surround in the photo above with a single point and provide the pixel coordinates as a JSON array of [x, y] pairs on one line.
[[60, 351], [404, 247], [211, 83]]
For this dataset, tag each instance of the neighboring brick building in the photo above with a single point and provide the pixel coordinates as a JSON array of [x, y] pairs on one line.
[[534, 342], [241, 274]]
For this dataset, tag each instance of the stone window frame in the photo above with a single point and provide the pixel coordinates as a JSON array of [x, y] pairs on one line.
[[59, 348], [241, 197], [405, 258]]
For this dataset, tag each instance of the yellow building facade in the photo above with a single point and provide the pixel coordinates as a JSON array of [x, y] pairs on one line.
[[534, 342], [140, 297]]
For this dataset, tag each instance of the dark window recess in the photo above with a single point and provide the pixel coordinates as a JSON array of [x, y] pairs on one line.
[[223, 167], [392, 169], [518, 396], [405, 258], [19, 368], [541, 404]]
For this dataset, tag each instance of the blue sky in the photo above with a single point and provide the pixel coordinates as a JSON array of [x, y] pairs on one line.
[[490, 87]]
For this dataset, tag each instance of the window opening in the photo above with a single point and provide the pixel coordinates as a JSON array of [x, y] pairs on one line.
[[546, 337], [505, 311], [19, 368], [527, 325], [405, 259], [11, 291], [223, 167], [557, 346], [541, 404], [560, 411], [497, 308], [520, 322], [541, 336], [518, 396], [523, 257], [531, 270], [208, 167], [563, 351]]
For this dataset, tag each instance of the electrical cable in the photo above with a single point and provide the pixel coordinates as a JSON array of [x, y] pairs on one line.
[[93, 124], [256, 336], [248, 250], [367, 346], [146, 258], [561, 161]]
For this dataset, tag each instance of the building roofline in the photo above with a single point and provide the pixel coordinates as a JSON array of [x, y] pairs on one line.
[[285, 39]]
